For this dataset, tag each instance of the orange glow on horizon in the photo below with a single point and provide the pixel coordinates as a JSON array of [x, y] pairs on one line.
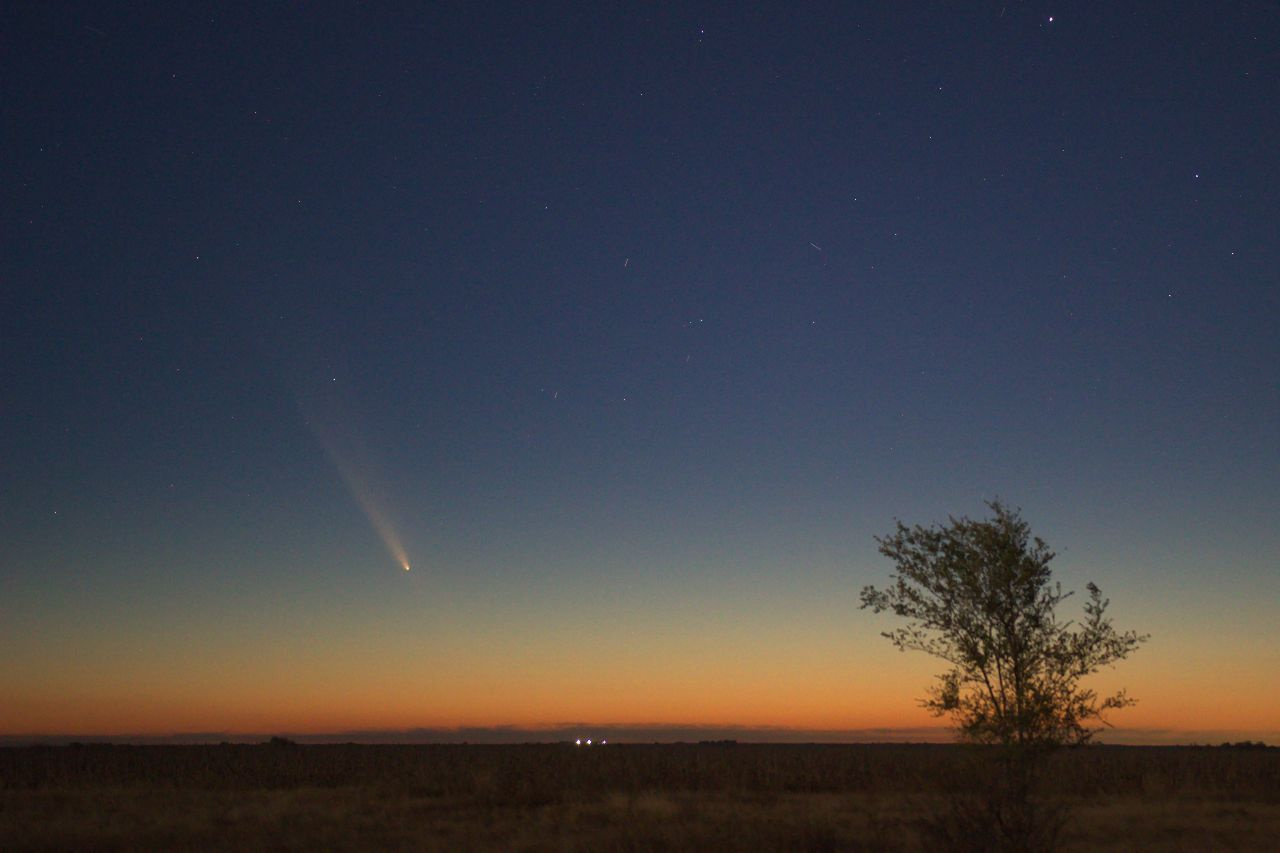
[[305, 706], [355, 656]]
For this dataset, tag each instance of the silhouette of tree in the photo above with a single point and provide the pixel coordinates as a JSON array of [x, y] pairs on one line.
[[978, 595]]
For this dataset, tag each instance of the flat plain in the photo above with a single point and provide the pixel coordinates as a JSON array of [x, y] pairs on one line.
[[620, 797]]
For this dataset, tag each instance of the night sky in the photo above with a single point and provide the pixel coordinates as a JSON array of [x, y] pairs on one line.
[[627, 329]]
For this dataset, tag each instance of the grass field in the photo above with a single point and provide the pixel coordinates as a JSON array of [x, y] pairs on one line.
[[617, 797]]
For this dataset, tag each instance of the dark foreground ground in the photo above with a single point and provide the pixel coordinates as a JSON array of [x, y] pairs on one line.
[[617, 797]]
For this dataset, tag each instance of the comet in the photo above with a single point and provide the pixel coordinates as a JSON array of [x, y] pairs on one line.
[[355, 467]]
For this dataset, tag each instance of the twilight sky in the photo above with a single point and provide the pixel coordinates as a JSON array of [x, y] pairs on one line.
[[628, 329]]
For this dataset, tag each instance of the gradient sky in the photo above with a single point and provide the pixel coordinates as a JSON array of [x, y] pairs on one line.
[[629, 329]]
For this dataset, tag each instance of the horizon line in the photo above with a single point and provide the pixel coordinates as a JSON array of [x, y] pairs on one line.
[[627, 733]]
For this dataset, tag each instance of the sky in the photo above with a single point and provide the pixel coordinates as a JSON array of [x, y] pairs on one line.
[[626, 328]]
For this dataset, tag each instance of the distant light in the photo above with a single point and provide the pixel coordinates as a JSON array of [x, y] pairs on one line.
[[406, 567], [588, 741], [578, 742], [603, 742]]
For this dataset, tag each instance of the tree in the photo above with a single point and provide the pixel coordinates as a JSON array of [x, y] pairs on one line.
[[978, 595]]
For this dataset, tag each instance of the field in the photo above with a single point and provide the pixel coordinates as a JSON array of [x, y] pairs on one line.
[[617, 797]]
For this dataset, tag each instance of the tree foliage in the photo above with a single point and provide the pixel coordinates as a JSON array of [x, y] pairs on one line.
[[978, 595]]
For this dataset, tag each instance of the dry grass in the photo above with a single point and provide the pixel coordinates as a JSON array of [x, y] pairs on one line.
[[618, 798]]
